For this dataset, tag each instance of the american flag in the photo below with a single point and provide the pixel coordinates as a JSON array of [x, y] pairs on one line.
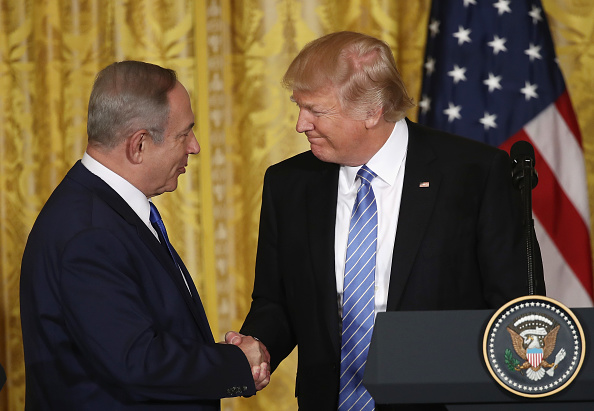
[[491, 74]]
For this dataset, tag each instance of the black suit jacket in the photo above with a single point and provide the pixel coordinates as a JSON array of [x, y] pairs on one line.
[[108, 323], [459, 245]]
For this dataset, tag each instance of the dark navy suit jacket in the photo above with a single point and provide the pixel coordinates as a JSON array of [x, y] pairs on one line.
[[459, 245], [2, 377], [108, 323]]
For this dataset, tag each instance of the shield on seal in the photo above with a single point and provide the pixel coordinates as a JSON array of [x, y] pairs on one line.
[[534, 356]]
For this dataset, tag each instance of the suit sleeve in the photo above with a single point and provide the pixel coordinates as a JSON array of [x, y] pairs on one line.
[[2, 377], [121, 336], [268, 318]]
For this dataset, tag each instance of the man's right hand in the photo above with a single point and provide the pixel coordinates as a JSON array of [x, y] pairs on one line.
[[256, 354]]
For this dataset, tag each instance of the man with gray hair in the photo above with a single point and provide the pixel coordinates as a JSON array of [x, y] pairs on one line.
[[111, 318]]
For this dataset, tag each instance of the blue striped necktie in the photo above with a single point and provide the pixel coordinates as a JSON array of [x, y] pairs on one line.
[[358, 297]]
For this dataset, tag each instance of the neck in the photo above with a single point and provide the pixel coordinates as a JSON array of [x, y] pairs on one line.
[[109, 157], [116, 160], [377, 137]]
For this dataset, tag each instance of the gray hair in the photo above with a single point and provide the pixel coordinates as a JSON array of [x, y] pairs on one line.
[[128, 96]]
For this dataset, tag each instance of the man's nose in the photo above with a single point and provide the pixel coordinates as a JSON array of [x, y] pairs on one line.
[[304, 123], [193, 146]]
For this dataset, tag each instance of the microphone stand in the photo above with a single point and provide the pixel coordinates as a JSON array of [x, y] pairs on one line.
[[525, 178]]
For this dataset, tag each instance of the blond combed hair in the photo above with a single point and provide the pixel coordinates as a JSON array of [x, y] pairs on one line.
[[360, 67]]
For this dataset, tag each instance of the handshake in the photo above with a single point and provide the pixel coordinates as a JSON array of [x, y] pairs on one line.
[[256, 354]]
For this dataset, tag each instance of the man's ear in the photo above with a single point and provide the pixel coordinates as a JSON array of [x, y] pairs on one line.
[[136, 146], [373, 118]]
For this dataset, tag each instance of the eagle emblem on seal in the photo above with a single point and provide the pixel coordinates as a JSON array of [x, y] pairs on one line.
[[534, 336]]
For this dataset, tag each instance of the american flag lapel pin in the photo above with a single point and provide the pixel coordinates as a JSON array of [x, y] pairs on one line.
[[424, 184]]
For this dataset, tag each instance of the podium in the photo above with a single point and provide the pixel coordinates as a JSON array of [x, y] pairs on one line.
[[421, 357]]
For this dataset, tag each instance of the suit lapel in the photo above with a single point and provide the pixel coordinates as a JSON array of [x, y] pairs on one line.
[[194, 302], [113, 199], [419, 192], [321, 216]]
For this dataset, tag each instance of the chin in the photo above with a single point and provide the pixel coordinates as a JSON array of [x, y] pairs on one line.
[[168, 188], [321, 155]]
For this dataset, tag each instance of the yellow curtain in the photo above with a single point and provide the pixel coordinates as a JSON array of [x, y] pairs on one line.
[[230, 54]]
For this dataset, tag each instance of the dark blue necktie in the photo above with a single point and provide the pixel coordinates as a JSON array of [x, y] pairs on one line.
[[157, 222], [358, 297]]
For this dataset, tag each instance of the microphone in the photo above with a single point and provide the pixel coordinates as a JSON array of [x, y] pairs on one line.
[[522, 155]]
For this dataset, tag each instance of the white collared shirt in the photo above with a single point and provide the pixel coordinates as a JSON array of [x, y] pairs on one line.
[[131, 195], [388, 163]]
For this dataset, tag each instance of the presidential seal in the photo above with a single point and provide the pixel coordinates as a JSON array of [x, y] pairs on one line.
[[534, 346]]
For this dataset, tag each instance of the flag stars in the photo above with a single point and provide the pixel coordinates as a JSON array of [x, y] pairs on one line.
[[453, 112], [434, 27], [535, 14], [502, 6], [488, 121], [468, 2], [498, 44], [533, 52], [463, 35], [529, 90], [458, 74], [493, 82], [425, 104], [430, 65]]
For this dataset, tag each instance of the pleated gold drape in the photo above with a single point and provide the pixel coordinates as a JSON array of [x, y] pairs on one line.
[[230, 54]]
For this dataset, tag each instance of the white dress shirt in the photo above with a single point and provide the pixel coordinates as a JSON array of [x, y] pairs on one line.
[[131, 195], [388, 163]]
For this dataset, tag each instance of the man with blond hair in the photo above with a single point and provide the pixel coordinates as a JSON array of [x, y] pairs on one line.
[[381, 214]]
